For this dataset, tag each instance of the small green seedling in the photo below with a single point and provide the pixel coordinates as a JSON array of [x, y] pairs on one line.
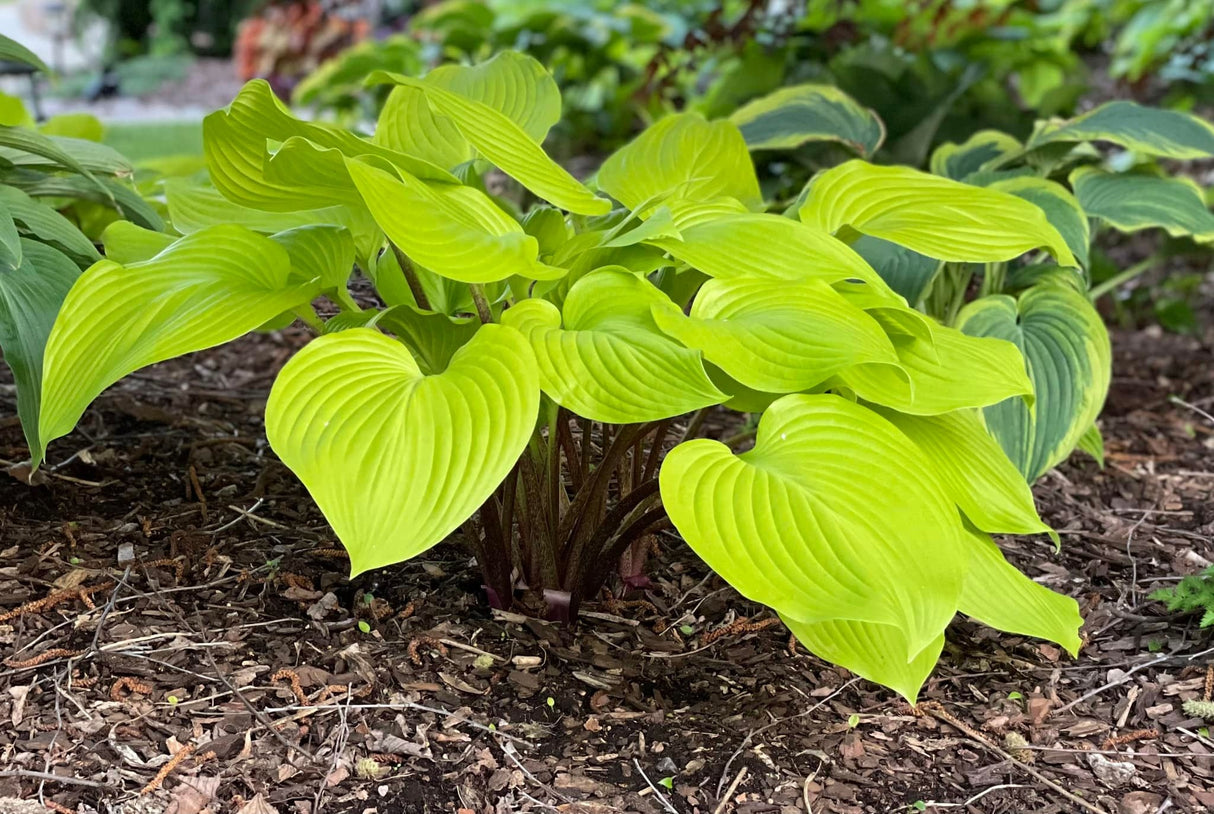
[[551, 702], [1014, 696], [666, 782], [363, 626], [853, 721]]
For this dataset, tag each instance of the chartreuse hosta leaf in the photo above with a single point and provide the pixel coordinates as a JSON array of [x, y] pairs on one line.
[[753, 244], [973, 470], [952, 372], [514, 84], [604, 357], [1146, 130], [796, 115], [396, 459], [777, 336], [1068, 357], [792, 523], [126, 243], [30, 297], [207, 288], [504, 142], [455, 231], [935, 216], [1130, 202], [1092, 442], [236, 142], [41, 222], [1061, 209], [319, 252], [984, 150], [684, 156], [996, 594]]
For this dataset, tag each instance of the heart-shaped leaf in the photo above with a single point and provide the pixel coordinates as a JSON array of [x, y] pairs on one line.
[[1130, 202], [799, 114], [395, 459], [984, 150], [1146, 130], [683, 156], [792, 523], [1068, 358]]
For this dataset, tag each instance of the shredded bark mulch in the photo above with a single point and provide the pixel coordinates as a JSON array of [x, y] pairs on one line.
[[178, 634]]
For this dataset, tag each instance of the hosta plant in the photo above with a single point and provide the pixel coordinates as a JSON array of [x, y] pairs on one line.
[[55, 180], [536, 381], [1096, 172]]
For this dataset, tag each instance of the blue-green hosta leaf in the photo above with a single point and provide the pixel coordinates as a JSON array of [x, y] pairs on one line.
[[776, 336], [105, 191], [41, 222], [955, 371], [608, 361], [514, 84], [30, 297], [1092, 442], [455, 231], [769, 246], [796, 115], [396, 459], [236, 143], [935, 216], [683, 156], [86, 155], [997, 594], [37, 149], [907, 272], [792, 524], [870, 650], [984, 150], [1061, 209], [1130, 202], [973, 470], [1068, 357], [1146, 130], [504, 142], [319, 252], [206, 289], [126, 243]]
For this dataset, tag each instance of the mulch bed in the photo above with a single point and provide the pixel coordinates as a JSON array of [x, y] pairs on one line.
[[202, 643]]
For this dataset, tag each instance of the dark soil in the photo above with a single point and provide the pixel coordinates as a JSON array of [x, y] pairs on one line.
[[435, 703]]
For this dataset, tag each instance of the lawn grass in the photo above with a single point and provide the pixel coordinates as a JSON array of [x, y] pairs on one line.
[[140, 141]]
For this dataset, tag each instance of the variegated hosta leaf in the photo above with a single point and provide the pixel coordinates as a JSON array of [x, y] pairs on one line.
[[907, 272], [1146, 130], [40, 222], [396, 459], [796, 115], [753, 244], [1061, 209], [1068, 357], [935, 216], [514, 84], [998, 595], [985, 150], [30, 297], [236, 143], [206, 289], [1092, 442], [973, 470], [683, 156], [952, 372], [1130, 202], [455, 231], [777, 336], [504, 142], [793, 524], [605, 359]]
